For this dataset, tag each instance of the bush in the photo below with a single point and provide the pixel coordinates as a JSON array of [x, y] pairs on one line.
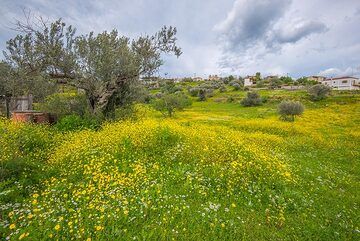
[[62, 104], [319, 92], [252, 99], [171, 102], [76, 122], [275, 83], [194, 92], [236, 86], [202, 95], [169, 87], [289, 109], [222, 89]]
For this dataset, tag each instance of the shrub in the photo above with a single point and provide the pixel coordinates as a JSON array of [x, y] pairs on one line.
[[202, 95], [170, 87], [76, 122], [275, 83], [222, 89], [236, 86], [319, 92], [289, 109], [260, 83], [252, 99], [62, 104], [194, 92], [171, 102]]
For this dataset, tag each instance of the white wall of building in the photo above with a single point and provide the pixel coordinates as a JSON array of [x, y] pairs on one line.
[[346, 83]]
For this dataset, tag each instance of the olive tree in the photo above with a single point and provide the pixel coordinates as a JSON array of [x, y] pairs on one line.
[[252, 99], [319, 92], [289, 109], [106, 66], [169, 103]]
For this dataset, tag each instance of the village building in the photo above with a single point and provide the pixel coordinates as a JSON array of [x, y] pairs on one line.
[[197, 79], [343, 83], [249, 80], [316, 78], [214, 77]]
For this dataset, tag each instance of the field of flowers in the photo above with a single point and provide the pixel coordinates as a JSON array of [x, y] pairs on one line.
[[204, 175]]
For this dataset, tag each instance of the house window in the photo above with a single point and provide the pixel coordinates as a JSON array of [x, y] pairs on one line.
[[344, 81]]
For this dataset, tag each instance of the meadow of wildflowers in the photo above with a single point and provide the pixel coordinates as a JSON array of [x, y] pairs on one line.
[[196, 177]]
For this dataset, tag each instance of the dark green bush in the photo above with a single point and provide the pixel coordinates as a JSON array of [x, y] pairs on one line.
[[289, 109], [252, 99], [202, 94]]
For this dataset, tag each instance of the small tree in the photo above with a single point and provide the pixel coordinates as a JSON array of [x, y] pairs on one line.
[[286, 80], [252, 99], [202, 94], [289, 109], [275, 83], [168, 103], [194, 92], [319, 92], [236, 86]]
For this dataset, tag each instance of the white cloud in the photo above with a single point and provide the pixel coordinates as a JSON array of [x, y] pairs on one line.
[[296, 30], [336, 72]]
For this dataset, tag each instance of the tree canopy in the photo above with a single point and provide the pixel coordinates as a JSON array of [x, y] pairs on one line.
[[106, 66]]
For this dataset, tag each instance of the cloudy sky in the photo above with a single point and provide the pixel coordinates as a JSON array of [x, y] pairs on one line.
[[295, 37]]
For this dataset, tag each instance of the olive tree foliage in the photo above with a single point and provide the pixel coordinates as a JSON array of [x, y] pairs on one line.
[[319, 92], [106, 66], [252, 99], [289, 109], [169, 103]]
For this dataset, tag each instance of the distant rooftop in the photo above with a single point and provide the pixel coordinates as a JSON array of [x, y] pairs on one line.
[[343, 77]]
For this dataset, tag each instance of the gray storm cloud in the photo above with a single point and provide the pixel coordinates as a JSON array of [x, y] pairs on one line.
[[249, 21]]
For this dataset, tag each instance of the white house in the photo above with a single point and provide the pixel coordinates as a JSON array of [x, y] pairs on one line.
[[343, 83], [249, 80]]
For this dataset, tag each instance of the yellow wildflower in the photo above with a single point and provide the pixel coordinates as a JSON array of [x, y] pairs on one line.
[[57, 227], [23, 235], [99, 228]]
